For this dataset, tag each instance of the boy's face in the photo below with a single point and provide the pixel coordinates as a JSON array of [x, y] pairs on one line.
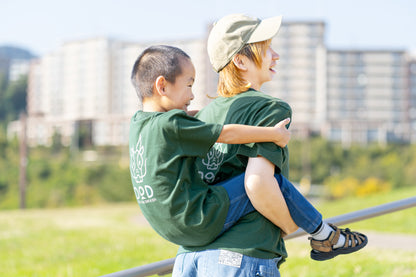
[[179, 94]]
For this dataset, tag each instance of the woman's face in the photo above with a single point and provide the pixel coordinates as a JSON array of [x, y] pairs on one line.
[[266, 71]]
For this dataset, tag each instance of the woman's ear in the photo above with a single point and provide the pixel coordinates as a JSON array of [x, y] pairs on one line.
[[160, 85], [239, 62]]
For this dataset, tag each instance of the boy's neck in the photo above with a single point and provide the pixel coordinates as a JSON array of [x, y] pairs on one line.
[[150, 105]]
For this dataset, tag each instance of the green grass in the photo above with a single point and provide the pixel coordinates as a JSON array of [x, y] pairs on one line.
[[398, 222], [89, 241], [93, 241], [369, 262]]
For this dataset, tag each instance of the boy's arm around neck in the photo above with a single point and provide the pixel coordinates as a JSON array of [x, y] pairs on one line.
[[241, 134]]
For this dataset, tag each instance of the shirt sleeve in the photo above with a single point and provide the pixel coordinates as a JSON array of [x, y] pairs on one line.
[[196, 137], [268, 114]]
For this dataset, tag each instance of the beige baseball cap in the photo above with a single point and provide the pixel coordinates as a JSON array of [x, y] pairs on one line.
[[229, 35]]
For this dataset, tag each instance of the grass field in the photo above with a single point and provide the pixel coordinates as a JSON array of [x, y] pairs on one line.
[[93, 241]]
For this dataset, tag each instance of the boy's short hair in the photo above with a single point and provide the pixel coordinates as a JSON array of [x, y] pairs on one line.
[[155, 61]]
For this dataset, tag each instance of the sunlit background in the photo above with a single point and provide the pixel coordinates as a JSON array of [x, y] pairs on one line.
[[347, 68], [342, 63]]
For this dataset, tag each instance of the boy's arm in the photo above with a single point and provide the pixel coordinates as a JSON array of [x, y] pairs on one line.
[[265, 195], [241, 134]]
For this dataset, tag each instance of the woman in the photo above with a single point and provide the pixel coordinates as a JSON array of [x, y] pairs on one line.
[[239, 49]]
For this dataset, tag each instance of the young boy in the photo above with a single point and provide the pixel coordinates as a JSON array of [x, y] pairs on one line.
[[164, 142]]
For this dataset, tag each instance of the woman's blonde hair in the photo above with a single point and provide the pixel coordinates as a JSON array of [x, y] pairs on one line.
[[230, 80]]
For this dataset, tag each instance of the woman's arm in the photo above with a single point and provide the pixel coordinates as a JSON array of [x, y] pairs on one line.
[[240, 134], [264, 193]]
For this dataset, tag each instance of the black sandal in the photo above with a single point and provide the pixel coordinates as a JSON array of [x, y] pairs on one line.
[[323, 249]]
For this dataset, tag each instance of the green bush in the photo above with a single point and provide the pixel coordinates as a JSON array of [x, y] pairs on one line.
[[352, 187], [326, 162], [60, 176]]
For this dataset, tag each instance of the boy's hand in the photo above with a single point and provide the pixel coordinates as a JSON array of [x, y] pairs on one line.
[[283, 134]]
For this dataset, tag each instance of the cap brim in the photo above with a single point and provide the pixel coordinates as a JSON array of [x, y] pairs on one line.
[[267, 29]]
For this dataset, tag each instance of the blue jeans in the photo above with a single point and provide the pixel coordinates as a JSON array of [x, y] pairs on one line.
[[219, 262], [303, 213]]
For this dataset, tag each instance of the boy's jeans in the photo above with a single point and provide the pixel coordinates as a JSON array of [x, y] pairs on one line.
[[303, 213], [219, 262]]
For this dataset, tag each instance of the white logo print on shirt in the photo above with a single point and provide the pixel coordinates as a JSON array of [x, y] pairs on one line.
[[213, 161], [137, 162], [144, 193]]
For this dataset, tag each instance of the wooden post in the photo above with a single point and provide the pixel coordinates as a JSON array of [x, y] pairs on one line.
[[23, 160]]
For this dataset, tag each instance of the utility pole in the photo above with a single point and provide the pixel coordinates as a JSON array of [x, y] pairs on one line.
[[23, 160]]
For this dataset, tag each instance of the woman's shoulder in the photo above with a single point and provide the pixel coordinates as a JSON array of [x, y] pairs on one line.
[[256, 99]]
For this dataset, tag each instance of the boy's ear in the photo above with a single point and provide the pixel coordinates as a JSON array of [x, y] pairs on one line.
[[239, 62], [160, 85]]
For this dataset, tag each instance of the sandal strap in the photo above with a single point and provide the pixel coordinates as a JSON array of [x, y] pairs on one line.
[[324, 250], [355, 238], [326, 245]]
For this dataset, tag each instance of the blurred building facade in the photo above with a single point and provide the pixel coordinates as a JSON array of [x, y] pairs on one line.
[[301, 74], [368, 96], [84, 89], [18, 68], [345, 95], [412, 103]]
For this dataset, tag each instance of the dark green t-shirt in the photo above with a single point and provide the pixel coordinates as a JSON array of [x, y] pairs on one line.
[[253, 235], [177, 203]]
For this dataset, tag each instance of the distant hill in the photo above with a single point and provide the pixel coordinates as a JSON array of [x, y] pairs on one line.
[[12, 52], [8, 53]]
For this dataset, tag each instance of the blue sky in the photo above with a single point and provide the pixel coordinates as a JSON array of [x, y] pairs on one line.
[[43, 25]]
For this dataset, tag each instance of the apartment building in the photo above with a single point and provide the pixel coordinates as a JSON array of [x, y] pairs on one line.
[[69, 88], [300, 79], [344, 95], [85, 87], [367, 96], [412, 102], [18, 68]]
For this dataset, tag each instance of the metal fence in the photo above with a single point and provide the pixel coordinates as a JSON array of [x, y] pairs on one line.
[[164, 267]]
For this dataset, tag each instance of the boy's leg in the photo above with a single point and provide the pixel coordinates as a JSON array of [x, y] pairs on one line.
[[327, 241], [303, 213], [240, 204]]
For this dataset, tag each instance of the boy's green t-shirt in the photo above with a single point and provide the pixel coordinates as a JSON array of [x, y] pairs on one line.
[[253, 235], [172, 196]]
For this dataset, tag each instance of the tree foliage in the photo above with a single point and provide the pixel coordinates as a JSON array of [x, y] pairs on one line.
[[58, 177], [356, 170], [12, 98]]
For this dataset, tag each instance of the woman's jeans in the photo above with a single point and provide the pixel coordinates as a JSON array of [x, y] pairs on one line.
[[220, 263], [302, 212]]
